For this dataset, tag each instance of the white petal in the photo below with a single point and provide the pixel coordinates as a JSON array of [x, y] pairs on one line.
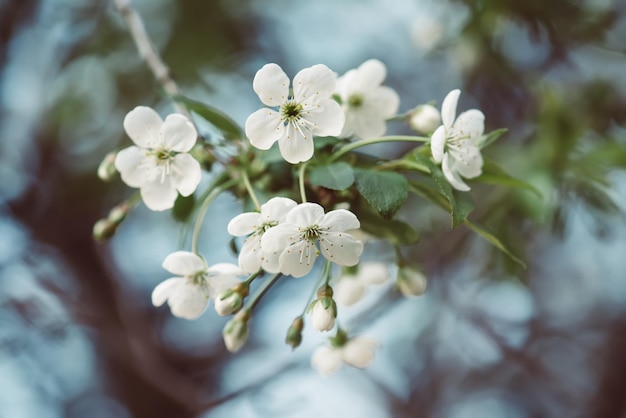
[[188, 301], [276, 209], [425, 118], [452, 176], [322, 319], [305, 215], [327, 119], [296, 145], [438, 143], [466, 160], [276, 239], [359, 352], [340, 220], [225, 268], [448, 108], [470, 124], [270, 262], [369, 75], [365, 124], [264, 127], [271, 84], [313, 84], [341, 248], [244, 224], [250, 254], [326, 360], [159, 195], [184, 263], [143, 126], [132, 162], [298, 259], [221, 283], [178, 133], [373, 273], [186, 173], [348, 291], [164, 289], [384, 101]]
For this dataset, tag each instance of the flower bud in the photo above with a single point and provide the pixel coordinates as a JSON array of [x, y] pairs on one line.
[[106, 169], [118, 213], [425, 118], [103, 229], [349, 291], [228, 302], [294, 333], [236, 331], [411, 282], [323, 315]]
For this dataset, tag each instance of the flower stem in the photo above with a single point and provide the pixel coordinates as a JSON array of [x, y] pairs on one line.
[[365, 142], [301, 182], [253, 276], [323, 277], [256, 298], [246, 182], [215, 191]]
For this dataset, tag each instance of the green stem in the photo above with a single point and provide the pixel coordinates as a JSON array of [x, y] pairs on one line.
[[256, 298], [323, 277], [214, 192], [365, 142], [301, 182], [246, 182], [253, 276]]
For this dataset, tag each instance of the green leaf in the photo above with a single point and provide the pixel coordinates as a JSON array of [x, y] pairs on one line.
[[494, 174], [183, 207], [483, 232], [220, 120], [336, 176], [491, 137], [384, 191], [396, 232]]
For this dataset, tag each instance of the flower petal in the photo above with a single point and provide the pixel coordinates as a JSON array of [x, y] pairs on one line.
[[159, 195], [250, 254], [369, 76], [186, 173], [373, 273], [327, 119], [305, 215], [178, 133], [364, 124], [298, 259], [270, 261], [326, 360], [341, 248], [143, 126], [184, 263], [297, 145], [340, 220], [276, 208], [438, 143], [131, 162], [264, 127], [222, 282], [466, 159], [313, 84], [244, 224], [452, 176], [359, 352], [271, 84], [189, 301], [164, 289], [448, 108], [225, 268], [470, 124], [348, 291], [276, 239], [384, 101]]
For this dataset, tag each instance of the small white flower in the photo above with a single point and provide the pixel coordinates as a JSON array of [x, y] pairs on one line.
[[323, 318], [189, 293], [305, 225], [351, 287], [357, 352], [252, 257], [294, 118], [366, 103], [411, 282], [455, 143], [159, 163], [425, 118]]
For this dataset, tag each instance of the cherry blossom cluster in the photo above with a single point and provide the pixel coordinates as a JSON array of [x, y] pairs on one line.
[[282, 237]]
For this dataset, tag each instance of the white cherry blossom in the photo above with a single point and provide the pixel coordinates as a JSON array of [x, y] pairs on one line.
[[351, 287], [305, 226], [252, 257], [455, 143], [188, 294], [293, 118], [159, 164], [357, 352], [366, 103]]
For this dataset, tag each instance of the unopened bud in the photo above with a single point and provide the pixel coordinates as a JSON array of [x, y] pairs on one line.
[[106, 169], [118, 213], [228, 303], [411, 282], [323, 314], [236, 331], [294, 333], [103, 230], [425, 119]]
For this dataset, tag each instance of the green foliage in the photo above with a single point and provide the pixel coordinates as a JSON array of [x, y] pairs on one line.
[[217, 118], [494, 174], [483, 232], [384, 191], [335, 176], [183, 207], [491, 137], [396, 232]]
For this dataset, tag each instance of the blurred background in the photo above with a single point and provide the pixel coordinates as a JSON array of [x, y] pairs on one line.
[[78, 334]]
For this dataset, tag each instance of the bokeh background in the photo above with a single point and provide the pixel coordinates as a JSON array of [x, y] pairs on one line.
[[78, 335]]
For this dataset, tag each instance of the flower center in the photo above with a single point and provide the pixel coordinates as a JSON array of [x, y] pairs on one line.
[[310, 233], [265, 226], [199, 279], [291, 111], [162, 154], [355, 101]]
